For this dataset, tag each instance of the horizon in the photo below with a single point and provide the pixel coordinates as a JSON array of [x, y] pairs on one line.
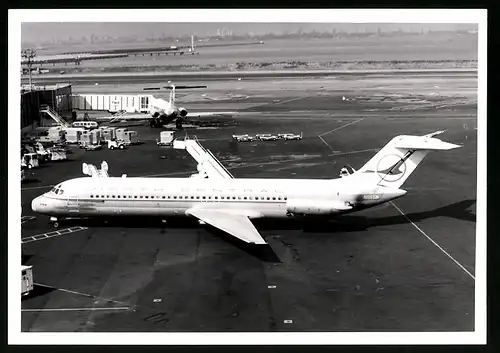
[[54, 32]]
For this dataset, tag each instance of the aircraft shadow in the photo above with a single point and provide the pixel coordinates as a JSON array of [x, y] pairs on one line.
[[343, 224], [355, 223]]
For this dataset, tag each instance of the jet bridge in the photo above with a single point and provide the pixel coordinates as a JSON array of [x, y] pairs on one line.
[[208, 165]]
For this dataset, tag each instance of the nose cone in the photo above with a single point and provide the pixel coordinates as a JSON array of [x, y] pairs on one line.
[[35, 204]]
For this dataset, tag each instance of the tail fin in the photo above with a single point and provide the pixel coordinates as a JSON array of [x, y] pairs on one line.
[[394, 163], [172, 95]]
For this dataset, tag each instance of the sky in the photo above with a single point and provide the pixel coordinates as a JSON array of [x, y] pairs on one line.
[[40, 32]]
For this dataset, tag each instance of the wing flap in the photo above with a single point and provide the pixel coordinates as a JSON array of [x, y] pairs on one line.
[[236, 225]]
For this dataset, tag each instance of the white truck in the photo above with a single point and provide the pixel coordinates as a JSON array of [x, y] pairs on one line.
[[116, 144], [26, 280]]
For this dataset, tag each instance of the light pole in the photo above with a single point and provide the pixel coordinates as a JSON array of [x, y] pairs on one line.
[[29, 54]]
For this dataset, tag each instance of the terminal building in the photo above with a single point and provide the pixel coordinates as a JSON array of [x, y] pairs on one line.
[[58, 98]]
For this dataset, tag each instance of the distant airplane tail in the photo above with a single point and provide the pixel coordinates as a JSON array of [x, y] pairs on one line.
[[394, 163]]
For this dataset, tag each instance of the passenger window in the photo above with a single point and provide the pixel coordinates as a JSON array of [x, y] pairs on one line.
[[163, 197], [284, 198], [197, 197], [192, 197], [146, 197], [279, 197], [268, 198], [60, 192], [210, 197], [118, 196], [245, 198], [168, 197], [234, 198], [135, 196], [91, 196], [203, 197], [274, 198], [216, 197], [175, 197]]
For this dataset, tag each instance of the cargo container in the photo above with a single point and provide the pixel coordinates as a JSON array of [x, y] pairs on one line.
[[108, 133], [96, 136], [166, 138], [120, 133], [131, 137], [112, 103], [73, 134]]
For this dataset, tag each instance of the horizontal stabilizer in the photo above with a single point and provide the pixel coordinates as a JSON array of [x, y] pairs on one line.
[[434, 133], [236, 225], [422, 143]]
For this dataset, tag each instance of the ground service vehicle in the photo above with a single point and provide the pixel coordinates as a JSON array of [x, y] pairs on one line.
[[26, 280], [116, 144]]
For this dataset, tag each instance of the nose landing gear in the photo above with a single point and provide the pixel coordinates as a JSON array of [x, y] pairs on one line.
[[54, 222]]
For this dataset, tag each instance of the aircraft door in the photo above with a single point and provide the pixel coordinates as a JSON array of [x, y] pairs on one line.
[[73, 205]]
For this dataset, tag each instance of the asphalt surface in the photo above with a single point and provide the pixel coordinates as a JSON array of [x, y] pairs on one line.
[[376, 270]]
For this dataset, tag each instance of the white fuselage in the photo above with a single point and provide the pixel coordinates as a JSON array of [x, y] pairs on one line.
[[255, 198]]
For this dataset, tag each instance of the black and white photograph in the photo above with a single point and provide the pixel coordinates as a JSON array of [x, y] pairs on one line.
[[252, 173]]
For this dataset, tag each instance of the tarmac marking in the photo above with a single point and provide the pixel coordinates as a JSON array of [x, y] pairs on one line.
[[52, 234], [436, 244], [354, 152], [289, 100], [326, 143], [25, 219], [37, 187], [80, 293], [336, 129], [340, 127], [76, 309]]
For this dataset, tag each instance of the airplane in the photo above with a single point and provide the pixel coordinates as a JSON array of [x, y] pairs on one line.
[[230, 204], [165, 112]]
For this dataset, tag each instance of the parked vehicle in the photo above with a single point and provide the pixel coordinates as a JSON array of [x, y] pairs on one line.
[[290, 136], [26, 280], [243, 138], [266, 137], [116, 144], [29, 160]]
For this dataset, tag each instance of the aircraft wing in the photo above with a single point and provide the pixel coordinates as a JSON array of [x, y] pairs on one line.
[[236, 225]]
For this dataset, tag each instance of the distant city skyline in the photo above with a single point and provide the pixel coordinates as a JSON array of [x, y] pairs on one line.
[[38, 33]]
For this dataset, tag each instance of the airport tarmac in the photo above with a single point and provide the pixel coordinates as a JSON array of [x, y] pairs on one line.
[[404, 266]]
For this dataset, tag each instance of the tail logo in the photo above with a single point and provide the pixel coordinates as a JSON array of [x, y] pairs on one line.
[[397, 166]]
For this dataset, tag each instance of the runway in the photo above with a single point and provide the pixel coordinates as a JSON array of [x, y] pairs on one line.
[[409, 266]]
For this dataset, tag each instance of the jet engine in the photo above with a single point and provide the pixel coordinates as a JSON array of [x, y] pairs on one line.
[[309, 207], [183, 112]]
